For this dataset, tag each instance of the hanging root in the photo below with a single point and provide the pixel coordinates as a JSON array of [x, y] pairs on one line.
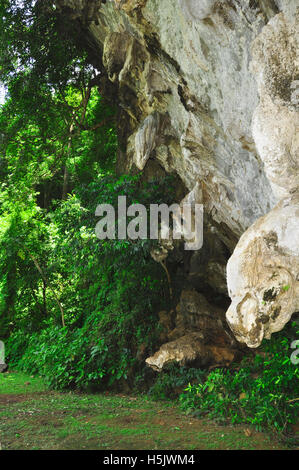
[[163, 264]]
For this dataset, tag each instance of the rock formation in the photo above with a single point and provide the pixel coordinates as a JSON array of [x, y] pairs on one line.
[[199, 336], [3, 368], [263, 273], [208, 90]]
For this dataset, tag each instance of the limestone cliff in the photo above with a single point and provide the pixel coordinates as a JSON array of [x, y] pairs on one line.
[[208, 90]]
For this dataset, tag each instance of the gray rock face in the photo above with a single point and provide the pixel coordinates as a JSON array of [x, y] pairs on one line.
[[263, 273], [188, 61], [209, 90], [3, 368]]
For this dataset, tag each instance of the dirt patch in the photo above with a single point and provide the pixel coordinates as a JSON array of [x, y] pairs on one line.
[[6, 399]]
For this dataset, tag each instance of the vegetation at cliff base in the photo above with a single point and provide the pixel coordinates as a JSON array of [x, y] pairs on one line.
[[34, 418]]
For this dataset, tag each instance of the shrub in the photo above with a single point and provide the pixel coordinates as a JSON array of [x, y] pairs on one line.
[[99, 354], [170, 383], [261, 391], [63, 358], [110, 290]]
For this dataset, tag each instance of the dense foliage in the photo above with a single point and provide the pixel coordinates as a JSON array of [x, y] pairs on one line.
[[76, 310], [110, 292], [262, 390]]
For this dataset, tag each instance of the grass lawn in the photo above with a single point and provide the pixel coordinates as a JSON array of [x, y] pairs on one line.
[[32, 417]]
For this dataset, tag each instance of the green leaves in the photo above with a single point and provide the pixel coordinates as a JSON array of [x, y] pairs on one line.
[[261, 392], [110, 290]]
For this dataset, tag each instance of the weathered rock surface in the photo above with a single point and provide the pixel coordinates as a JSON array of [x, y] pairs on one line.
[[262, 275], [199, 336], [188, 62], [209, 91], [3, 368], [191, 349]]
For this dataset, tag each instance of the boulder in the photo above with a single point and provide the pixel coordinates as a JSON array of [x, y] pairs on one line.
[[3, 368], [199, 336]]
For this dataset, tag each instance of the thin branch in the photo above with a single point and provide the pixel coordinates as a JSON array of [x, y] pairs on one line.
[[46, 283], [163, 264], [96, 126]]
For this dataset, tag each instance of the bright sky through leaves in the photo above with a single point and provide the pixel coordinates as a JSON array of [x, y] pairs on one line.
[[2, 94]]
